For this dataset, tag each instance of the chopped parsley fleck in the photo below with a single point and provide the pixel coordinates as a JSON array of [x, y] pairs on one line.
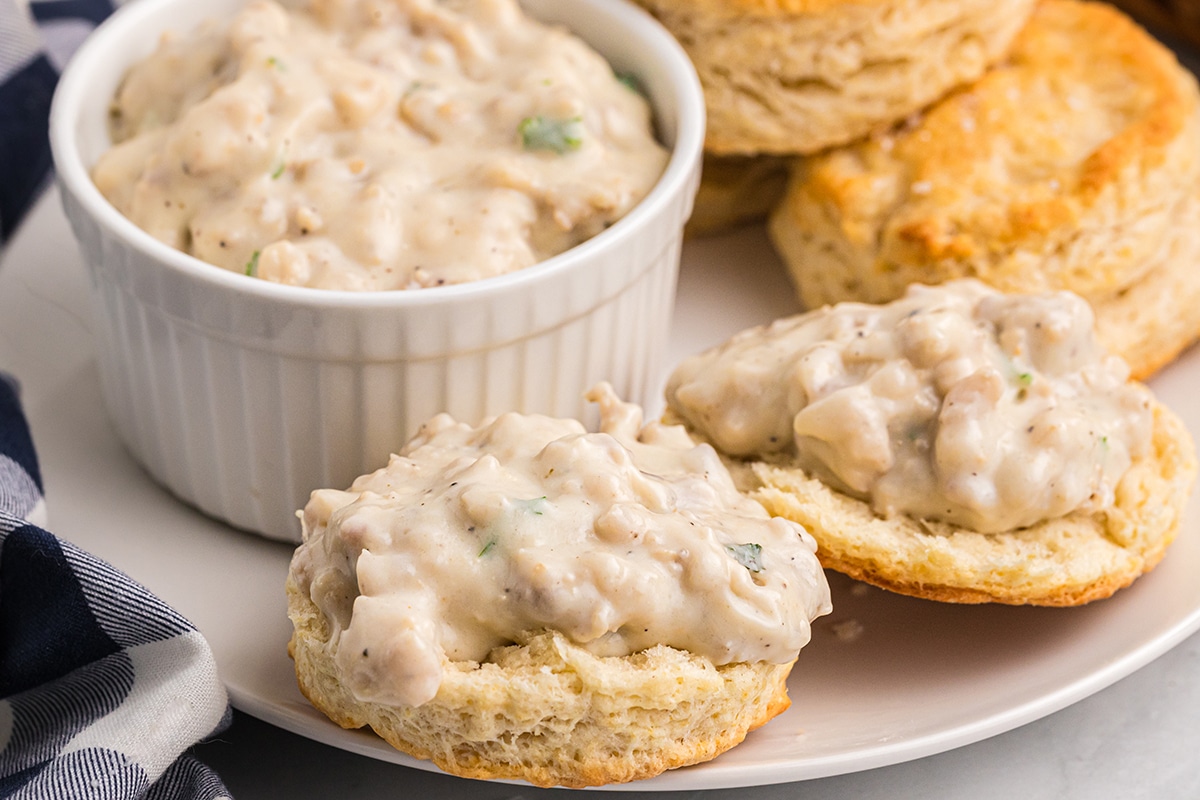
[[1025, 378], [535, 506], [278, 171], [630, 82], [272, 61], [487, 547], [749, 555], [555, 135], [252, 264]]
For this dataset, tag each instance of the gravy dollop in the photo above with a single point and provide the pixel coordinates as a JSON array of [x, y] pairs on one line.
[[372, 145], [621, 539], [954, 403]]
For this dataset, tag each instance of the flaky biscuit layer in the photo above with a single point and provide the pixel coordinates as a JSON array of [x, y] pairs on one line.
[[797, 76], [550, 713]]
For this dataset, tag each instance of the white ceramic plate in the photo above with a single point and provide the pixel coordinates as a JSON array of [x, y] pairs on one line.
[[886, 678]]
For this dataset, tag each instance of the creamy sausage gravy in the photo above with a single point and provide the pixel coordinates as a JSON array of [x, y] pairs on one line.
[[377, 144], [953, 403], [621, 539]]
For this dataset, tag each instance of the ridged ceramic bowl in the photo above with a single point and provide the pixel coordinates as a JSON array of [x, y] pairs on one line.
[[241, 396]]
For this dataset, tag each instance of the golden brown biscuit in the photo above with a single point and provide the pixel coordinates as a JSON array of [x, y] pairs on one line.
[[1061, 562], [1155, 318], [1073, 165], [550, 713], [524, 599], [957, 444], [1067, 561], [796, 76]]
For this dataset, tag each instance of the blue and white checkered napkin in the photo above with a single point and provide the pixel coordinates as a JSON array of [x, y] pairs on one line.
[[103, 687], [36, 39]]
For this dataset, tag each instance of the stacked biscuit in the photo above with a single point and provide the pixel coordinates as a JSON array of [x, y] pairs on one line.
[[792, 77], [1075, 164], [1034, 149]]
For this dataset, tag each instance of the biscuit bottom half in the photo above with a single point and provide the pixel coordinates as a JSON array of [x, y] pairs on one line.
[[736, 190], [548, 712], [1067, 561]]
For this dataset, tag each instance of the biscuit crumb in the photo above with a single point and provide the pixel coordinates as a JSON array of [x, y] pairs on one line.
[[847, 631]]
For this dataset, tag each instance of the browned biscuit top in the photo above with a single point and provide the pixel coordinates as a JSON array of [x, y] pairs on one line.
[[1089, 119]]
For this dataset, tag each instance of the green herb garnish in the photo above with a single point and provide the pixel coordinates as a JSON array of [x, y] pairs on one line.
[[252, 264], [535, 506], [630, 82], [280, 162], [555, 135], [487, 547], [749, 555], [1025, 378], [272, 61]]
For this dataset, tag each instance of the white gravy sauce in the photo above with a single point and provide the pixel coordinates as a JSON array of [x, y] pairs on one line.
[[377, 144], [953, 403], [621, 539]]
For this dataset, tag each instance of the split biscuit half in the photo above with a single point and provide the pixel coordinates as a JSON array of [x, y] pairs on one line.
[[1067, 561], [549, 712], [735, 191]]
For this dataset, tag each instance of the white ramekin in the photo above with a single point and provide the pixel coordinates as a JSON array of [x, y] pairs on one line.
[[241, 396]]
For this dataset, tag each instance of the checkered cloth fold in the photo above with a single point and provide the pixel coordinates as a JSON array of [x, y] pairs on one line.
[[103, 687]]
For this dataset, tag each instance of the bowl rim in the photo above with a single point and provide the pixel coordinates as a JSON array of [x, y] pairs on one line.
[[128, 20]]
